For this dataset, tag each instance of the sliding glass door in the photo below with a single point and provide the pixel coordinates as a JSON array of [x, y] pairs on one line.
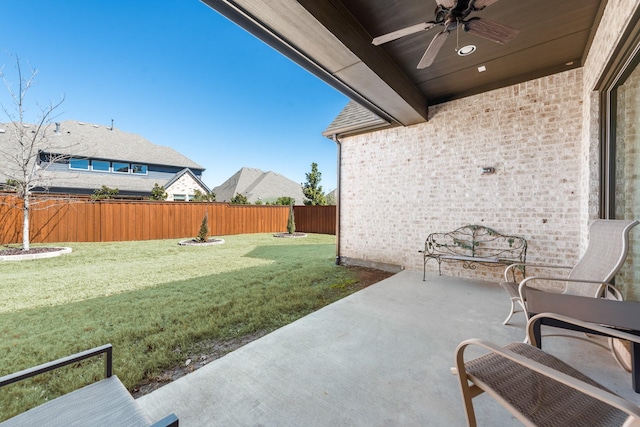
[[625, 151]]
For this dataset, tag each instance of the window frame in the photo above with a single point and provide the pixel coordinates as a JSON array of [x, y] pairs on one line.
[[113, 167], [79, 159], [144, 167], [108, 163], [625, 59]]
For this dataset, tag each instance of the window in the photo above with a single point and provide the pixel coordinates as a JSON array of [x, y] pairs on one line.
[[192, 197], [621, 154], [100, 165], [75, 163], [179, 198], [139, 169], [121, 167]]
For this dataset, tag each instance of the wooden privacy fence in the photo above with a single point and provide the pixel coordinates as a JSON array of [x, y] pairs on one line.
[[54, 220]]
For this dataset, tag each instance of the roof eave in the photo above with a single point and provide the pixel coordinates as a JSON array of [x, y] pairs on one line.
[[342, 55]]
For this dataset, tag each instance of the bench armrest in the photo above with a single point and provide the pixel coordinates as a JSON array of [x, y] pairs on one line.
[[50, 366]]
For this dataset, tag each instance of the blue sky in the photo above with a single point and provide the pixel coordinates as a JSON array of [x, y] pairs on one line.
[[179, 74]]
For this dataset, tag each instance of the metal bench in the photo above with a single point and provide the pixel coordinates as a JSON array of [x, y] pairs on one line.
[[103, 403], [473, 244]]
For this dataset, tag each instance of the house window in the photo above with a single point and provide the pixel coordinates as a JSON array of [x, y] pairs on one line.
[[139, 169], [192, 197], [75, 163], [100, 165], [121, 167], [179, 198]]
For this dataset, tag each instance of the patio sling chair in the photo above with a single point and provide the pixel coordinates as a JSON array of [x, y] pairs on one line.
[[105, 402], [592, 274], [538, 388]]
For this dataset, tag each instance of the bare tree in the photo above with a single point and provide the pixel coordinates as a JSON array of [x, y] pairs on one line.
[[26, 149]]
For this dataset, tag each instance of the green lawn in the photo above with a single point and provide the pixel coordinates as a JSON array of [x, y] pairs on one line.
[[154, 301]]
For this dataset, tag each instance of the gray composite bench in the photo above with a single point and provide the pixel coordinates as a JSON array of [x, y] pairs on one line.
[[471, 245], [103, 403]]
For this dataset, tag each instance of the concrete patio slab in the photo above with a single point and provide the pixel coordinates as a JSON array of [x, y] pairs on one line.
[[380, 357]]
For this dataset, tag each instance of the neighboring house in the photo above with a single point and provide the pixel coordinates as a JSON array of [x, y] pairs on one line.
[[91, 156], [257, 185], [555, 112]]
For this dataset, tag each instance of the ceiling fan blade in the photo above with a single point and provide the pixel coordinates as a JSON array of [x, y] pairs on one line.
[[481, 4], [433, 49], [401, 33], [490, 30], [447, 3]]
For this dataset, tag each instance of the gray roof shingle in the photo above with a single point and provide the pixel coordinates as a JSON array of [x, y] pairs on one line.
[[101, 142], [352, 119], [256, 184]]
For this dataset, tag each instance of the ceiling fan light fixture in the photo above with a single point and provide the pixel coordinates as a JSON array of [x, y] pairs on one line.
[[466, 50]]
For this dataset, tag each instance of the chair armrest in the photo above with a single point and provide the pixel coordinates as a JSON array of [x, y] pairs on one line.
[[615, 333], [523, 285], [50, 366], [524, 264], [588, 389], [170, 420]]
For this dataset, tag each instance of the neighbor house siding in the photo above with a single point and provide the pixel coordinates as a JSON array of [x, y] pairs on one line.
[[184, 186], [401, 184]]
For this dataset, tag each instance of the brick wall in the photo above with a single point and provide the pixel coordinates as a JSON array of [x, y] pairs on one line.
[[542, 137], [399, 185]]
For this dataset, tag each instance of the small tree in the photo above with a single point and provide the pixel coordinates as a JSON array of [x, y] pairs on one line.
[[24, 143], [312, 189], [158, 193], [104, 193], [239, 199], [203, 234], [291, 223]]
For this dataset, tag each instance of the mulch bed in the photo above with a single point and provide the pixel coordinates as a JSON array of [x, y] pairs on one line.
[[290, 235], [18, 251]]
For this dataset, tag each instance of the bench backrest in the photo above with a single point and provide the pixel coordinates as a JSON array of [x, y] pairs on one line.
[[477, 241]]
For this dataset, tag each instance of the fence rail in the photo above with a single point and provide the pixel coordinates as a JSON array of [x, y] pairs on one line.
[[71, 220]]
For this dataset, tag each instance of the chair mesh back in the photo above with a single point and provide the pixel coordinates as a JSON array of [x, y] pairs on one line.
[[605, 255]]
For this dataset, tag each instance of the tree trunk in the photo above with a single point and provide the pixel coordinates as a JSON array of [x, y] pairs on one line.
[[25, 222]]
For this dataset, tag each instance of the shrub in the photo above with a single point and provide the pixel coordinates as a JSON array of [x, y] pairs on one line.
[[203, 234], [285, 201], [104, 193], [239, 199], [158, 193], [199, 196], [291, 223]]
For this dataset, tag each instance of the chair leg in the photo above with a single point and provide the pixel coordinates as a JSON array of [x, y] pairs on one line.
[[512, 310], [620, 354]]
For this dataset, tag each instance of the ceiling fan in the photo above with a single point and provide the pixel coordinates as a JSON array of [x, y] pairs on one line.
[[452, 14]]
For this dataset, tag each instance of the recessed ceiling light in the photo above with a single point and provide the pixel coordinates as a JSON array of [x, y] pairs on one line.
[[466, 50], [482, 68]]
